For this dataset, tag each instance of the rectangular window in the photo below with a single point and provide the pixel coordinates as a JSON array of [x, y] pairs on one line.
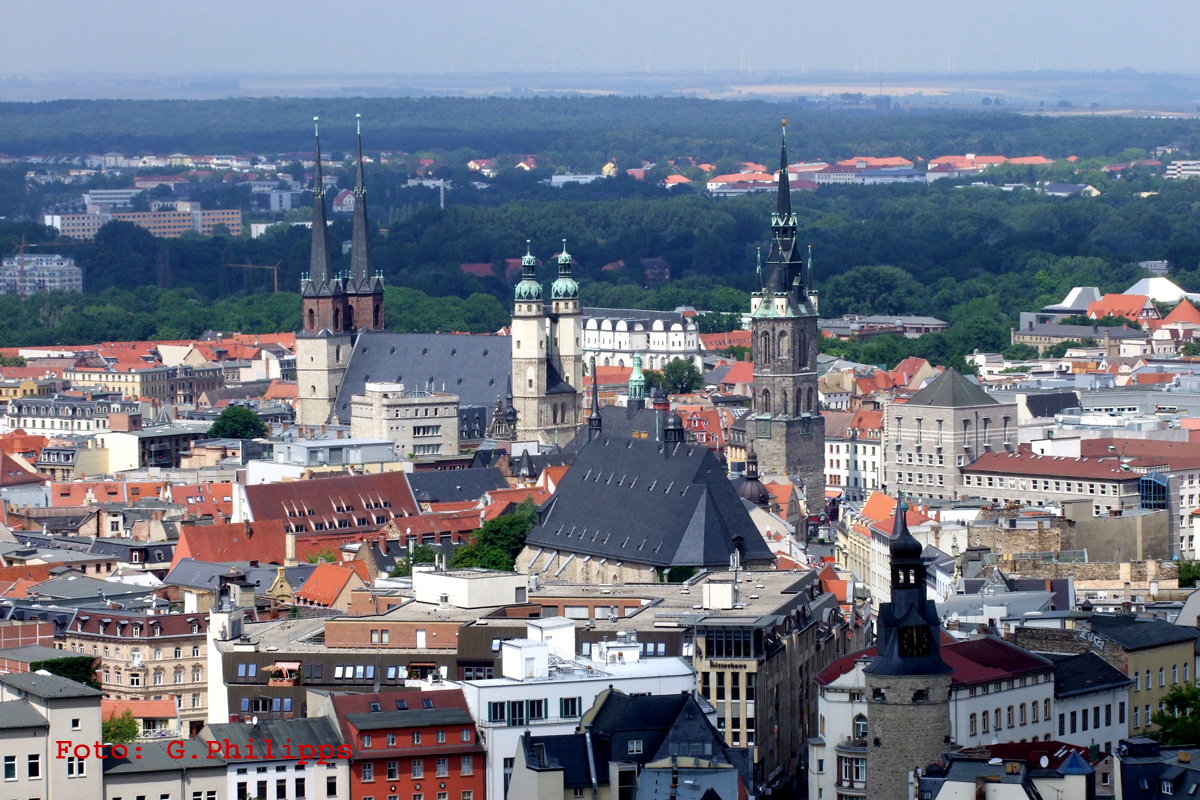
[[368, 772], [393, 770], [10, 768], [35, 767], [467, 765], [635, 747], [416, 737], [466, 734], [443, 767], [418, 768], [1120, 713]]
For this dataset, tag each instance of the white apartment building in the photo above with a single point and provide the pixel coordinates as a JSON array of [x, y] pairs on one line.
[[1090, 700], [853, 452], [252, 772], [998, 692], [28, 274], [418, 421], [37, 710], [545, 687], [613, 335]]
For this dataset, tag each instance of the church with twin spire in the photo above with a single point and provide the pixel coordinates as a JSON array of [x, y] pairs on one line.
[[335, 307]]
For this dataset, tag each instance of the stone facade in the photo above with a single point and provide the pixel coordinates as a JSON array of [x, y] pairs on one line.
[[902, 731], [419, 422], [320, 365]]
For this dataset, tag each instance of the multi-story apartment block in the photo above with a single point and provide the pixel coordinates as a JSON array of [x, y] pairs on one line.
[[401, 740], [167, 224], [1153, 653], [1036, 480], [147, 657], [82, 414], [38, 710], [853, 452], [181, 384], [545, 688], [942, 428], [28, 274], [421, 422]]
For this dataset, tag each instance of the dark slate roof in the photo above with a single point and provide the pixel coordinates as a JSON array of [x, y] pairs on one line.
[[621, 423], [638, 500], [487, 457], [455, 485], [20, 714], [659, 721], [1138, 634], [952, 390], [473, 367], [311, 731], [205, 574], [34, 652], [1050, 403], [155, 552], [153, 757], [530, 466], [415, 717], [47, 686], [1084, 673]]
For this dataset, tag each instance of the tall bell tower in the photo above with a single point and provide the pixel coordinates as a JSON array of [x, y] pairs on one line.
[[908, 683], [787, 425]]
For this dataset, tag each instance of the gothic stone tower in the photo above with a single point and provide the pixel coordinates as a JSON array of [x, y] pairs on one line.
[[787, 425], [334, 307], [908, 684], [547, 360]]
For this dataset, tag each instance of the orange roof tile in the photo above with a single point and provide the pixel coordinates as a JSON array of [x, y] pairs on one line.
[[740, 373], [1118, 305], [75, 493], [327, 582], [721, 341], [609, 376], [282, 390], [1184, 312], [212, 499], [15, 471], [142, 709]]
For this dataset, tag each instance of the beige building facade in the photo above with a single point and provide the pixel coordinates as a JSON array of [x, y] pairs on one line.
[[419, 421]]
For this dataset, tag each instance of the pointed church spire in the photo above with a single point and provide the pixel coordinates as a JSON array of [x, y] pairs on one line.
[[360, 242], [758, 270], [783, 206], [594, 421], [320, 263], [808, 273]]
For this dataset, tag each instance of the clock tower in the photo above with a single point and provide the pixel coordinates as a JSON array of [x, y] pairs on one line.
[[908, 684]]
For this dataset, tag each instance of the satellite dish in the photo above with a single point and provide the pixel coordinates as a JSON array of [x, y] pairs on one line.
[[1044, 762], [254, 720]]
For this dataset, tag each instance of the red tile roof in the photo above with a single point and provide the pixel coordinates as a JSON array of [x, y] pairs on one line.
[[1118, 305], [241, 541], [740, 373], [16, 471], [1025, 463], [75, 493], [326, 583], [212, 499], [721, 341], [322, 504], [142, 709], [973, 662], [282, 390], [1184, 312]]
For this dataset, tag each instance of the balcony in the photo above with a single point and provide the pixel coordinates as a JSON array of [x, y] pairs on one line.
[[852, 746], [856, 788]]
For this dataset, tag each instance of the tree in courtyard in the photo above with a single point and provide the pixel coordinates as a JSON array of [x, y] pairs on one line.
[[1179, 721], [121, 729], [238, 422]]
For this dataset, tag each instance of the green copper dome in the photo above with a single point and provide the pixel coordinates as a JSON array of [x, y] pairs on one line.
[[528, 290], [564, 286]]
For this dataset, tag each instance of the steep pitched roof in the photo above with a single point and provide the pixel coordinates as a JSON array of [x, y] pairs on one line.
[[473, 367], [952, 390], [16, 471], [1118, 305], [659, 504], [240, 541], [327, 582], [442, 486], [1184, 312], [329, 501]]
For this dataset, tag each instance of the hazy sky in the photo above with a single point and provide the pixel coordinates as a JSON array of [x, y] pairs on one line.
[[303, 36]]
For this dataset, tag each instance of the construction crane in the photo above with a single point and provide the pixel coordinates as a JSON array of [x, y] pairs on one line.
[[274, 270]]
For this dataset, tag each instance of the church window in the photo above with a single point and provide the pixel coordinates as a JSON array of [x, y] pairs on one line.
[[766, 401], [378, 316], [337, 319], [312, 320], [350, 317], [808, 404]]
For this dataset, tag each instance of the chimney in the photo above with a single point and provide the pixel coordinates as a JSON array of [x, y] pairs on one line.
[[289, 549]]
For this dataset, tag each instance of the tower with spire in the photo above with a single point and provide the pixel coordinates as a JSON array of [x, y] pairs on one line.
[[908, 683], [787, 426], [334, 307], [547, 360]]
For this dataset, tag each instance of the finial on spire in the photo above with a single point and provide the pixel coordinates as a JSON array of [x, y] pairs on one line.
[[529, 248], [358, 123], [316, 127], [901, 503]]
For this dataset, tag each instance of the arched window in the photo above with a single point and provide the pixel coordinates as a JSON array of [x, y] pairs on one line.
[[350, 317], [377, 317], [312, 390], [554, 413], [765, 346], [766, 402], [312, 320], [802, 354], [860, 727], [781, 350], [784, 404], [337, 319], [809, 401], [797, 403]]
